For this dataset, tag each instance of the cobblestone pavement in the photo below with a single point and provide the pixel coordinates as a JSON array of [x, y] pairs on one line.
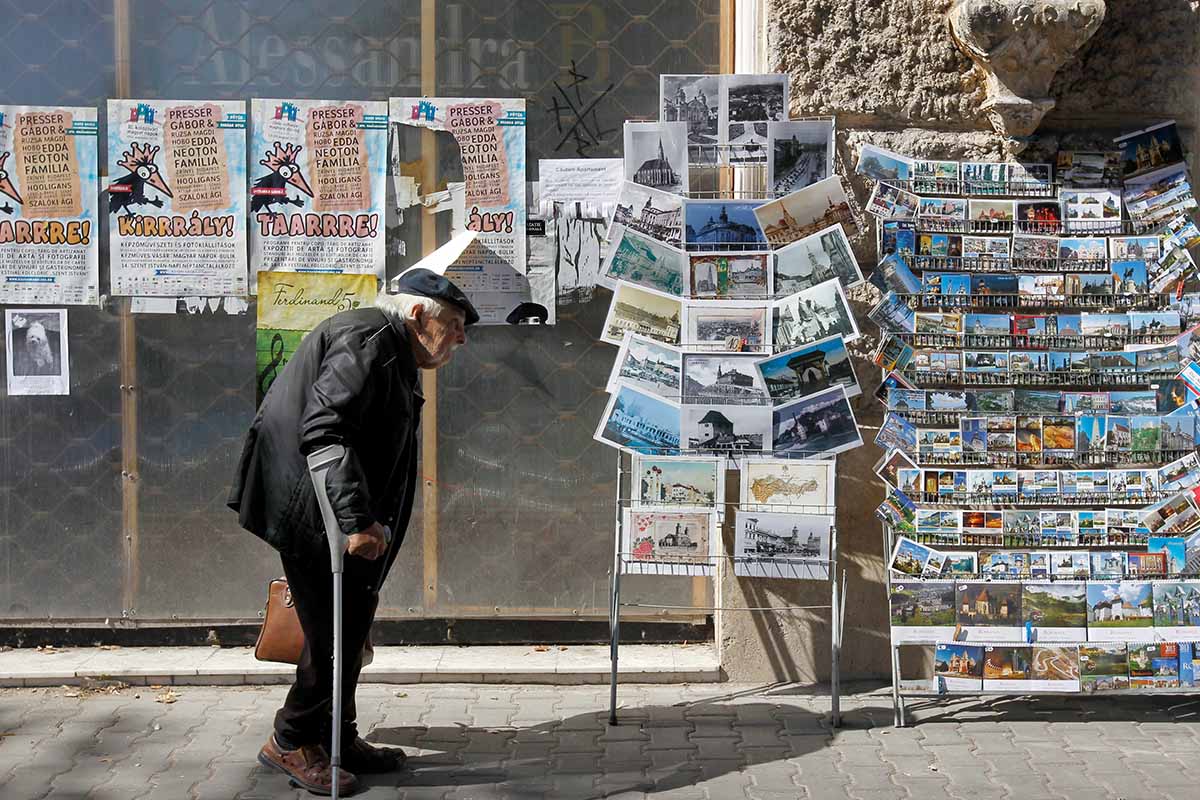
[[706, 742]]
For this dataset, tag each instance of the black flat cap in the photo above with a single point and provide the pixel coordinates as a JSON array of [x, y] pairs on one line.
[[429, 284]]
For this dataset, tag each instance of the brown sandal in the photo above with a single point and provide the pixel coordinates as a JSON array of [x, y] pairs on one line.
[[307, 767]]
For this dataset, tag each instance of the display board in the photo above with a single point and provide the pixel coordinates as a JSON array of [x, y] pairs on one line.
[[1036, 341]]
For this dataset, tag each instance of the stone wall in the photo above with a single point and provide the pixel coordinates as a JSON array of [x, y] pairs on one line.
[[891, 74]]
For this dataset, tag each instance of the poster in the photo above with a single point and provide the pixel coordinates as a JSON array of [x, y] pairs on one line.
[[38, 362], [490, 134], [49, 246], [292, 304], [317, 184], [176, 197]]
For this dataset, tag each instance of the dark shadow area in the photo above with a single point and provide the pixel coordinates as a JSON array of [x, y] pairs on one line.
[[654, 749], [1069, 708]]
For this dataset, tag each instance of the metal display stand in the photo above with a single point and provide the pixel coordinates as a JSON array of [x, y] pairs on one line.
[[719, 563]]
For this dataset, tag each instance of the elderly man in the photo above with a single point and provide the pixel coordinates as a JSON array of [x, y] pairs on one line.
[[353, 382]]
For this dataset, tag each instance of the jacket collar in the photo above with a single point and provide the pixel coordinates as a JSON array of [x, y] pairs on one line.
[[406, 363]]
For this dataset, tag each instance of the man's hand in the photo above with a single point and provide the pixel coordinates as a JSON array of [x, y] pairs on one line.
[[369, 544]]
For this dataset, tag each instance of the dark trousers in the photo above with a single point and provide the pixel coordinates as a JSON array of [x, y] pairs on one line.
[[304, 718]]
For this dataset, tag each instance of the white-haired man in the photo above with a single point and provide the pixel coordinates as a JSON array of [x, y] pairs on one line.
[[352, 381]]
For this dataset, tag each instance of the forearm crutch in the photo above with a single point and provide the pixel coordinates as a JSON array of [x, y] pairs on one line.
[[319, 463]]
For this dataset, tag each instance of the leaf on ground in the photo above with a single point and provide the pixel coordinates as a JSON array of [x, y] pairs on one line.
[[167, 697], [541, 648]]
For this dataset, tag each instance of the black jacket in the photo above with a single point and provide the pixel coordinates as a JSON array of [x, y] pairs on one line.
[[352, 381]]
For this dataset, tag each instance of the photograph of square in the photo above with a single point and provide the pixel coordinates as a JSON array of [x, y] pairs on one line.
[[805, 212], [722, 379], [730, 275], [991, 211], [648, 365], [810, 369], [726, 326], [818, 425], [781, 545], [696, 101], [754, 98], [642, 311], [669, 541], [658, 215], [815, 259], [677, 480], [656, 155], [637, 259], [799, 153]]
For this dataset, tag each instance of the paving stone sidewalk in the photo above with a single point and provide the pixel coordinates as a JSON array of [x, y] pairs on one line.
[[707, 742]]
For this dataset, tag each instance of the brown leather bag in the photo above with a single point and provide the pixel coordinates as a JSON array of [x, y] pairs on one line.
[[281, 638]]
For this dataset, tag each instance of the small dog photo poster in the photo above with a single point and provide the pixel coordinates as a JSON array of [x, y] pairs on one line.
[[37, 351]]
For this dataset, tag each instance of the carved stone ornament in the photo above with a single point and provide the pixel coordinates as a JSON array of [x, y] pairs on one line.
[[1020, 45]]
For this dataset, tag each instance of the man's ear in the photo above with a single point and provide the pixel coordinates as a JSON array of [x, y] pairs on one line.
[[418, 314]]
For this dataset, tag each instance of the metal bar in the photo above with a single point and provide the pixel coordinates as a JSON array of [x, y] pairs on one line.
[[614, 606], [834, 638], [429, 425], [132, 577]]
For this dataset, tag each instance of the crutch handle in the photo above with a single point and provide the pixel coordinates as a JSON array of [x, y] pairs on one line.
[[319, 462]]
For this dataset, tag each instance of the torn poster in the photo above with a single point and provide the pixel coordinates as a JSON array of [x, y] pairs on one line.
[[490, 134], [38, 362], [317, 192], [290, 305], [176, 197], [195, 306], [49, 246]]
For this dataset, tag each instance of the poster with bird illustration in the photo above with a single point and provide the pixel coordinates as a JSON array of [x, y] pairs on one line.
[[317, 186], [49, 251], [175, 197]]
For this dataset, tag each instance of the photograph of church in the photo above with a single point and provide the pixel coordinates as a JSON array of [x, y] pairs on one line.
[[815, 259], [722, 222], [656, 155], [694, 100]]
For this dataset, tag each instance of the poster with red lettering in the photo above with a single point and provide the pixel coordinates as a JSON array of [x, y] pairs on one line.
[[318, 176], [49, 246], [175, 198]]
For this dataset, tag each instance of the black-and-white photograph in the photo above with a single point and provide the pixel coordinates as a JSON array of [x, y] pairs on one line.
[[811, 315], [815, 259], [726, 428], [649, 365], [656, 155], [650, 212], [713, 326], [818, 425], [749, 102], [695, 100], [780, 545], [722, 379], [38, 361], [643, 311], [799, 154]]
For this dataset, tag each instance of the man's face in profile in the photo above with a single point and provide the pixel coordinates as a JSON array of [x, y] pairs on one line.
[[438, 337]]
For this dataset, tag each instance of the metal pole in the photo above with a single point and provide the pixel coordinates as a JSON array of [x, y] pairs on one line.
[[835, 643], [614, 604]]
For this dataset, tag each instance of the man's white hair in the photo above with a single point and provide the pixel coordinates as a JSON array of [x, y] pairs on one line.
[[403, 306]]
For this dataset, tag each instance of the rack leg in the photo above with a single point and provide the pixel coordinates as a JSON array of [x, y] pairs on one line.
[[897, 700], [615, 643], [835, 646]]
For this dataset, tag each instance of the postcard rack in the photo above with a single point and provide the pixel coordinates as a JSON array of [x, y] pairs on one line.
[[904, 691], [718, 564]]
